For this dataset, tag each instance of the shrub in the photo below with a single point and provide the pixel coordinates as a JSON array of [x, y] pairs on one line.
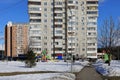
[[30, 59]]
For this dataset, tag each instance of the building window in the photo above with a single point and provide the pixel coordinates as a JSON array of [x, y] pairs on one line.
[[91, 54], [35, 20], [83, 28], [91, 12], [45, 15], [45, 9], [45, 37], [34, 9], [45, 43], [34, 3], [83, 49], [35, 14], [45, 3], [45, 20], [91, 49], [52, 3]]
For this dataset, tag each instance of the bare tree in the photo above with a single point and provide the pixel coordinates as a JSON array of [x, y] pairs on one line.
[[108, 36], [117, 42]]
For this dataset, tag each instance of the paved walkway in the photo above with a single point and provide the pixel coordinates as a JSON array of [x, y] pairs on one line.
[[88, 73]]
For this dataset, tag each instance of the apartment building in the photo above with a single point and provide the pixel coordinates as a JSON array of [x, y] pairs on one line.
[[63, 27], [16, 39]]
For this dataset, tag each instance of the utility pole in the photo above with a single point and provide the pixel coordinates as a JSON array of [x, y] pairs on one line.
[[66, 53], [53, 29]]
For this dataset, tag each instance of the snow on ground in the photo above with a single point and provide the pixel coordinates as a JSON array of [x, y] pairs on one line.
[[47, 76], [17, 66], [104, 69], [64, 67]]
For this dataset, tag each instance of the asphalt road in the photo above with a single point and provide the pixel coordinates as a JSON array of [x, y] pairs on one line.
[[88, 73]]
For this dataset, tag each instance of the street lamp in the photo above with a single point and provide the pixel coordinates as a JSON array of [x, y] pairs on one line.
[[71, 36], [2, 51]]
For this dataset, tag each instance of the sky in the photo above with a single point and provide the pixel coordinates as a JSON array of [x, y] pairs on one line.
[[108, 8], [16, 11], [12, 10]]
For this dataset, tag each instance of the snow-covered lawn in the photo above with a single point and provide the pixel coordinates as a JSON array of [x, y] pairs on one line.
[[112, 70], [17, 66], [60, 66], [47, 76]]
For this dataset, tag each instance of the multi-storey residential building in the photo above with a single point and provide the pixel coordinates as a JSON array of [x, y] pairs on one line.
[[16, 39], [64, 25]]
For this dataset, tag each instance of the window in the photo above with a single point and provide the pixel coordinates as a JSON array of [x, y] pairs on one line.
[[35, 32], [91, 12], [58, 37], [45, 37], [92, 18], [91, 23], [83, 28], [56, 43], [45, 3], [58, 26], [45, 20], [71, 38], [58, 20], [91, 54], [34, 3], [58, 49], [34, 26], [83, 49], [70, 2], [52, 3], [45, 26], [35, 43], [45, 9], [70, 28], [35, 20], [45, 15], [89, 34], [51, 15], [92, 2], [92, 8], [71, 44], [58, 14], [45, 43], [91, 28], [34, 9], [36, 38], [91, 44], [58, 31], [91, 49], [58, 3], [58, 8], [35, 14]]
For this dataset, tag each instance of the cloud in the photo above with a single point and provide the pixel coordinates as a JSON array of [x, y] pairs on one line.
[[119, 18], [101, 1], [2, 47], [1, 37]]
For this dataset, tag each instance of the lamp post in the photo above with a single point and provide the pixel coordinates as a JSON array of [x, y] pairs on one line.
[[71, 36], [2, 51]]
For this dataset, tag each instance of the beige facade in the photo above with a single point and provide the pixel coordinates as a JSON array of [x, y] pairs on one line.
[[16, 39], [81, 26]]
